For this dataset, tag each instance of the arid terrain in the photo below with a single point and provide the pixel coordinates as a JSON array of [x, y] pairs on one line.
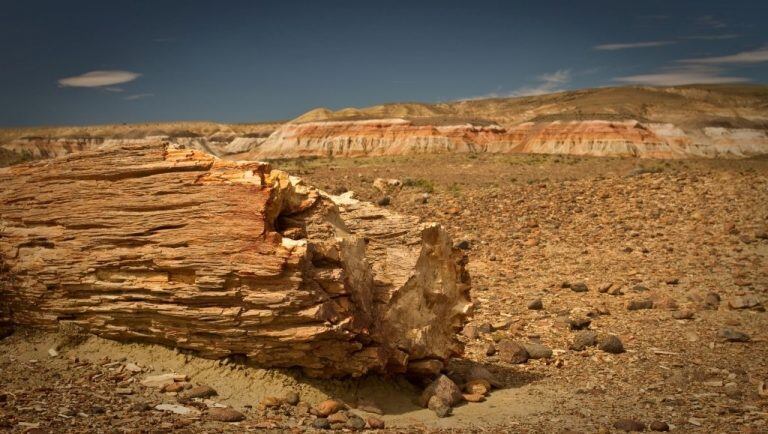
[[665, 259], [695, 121]]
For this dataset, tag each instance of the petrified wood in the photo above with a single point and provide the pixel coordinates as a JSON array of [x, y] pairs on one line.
[[156, 243]]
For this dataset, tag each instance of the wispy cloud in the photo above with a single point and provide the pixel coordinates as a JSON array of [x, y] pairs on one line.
[[676, 76], [630, 45], [755, 56], [548, 83], [139, 96], [713, 37], [114, 89], [711, 22], [99, 79]]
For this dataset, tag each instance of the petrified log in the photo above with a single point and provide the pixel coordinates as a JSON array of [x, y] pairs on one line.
[[156, 243]]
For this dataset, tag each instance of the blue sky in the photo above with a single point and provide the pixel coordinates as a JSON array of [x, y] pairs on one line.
[[89, 62]]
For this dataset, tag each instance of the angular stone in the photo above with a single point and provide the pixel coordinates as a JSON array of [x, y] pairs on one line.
[[445, 389], [511, 352]]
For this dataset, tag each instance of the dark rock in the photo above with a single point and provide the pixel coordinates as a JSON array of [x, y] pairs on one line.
[[610, 344], [629, 425], [584, 339], [490, 349], [536, 304], [579, 287], [658, 425], [640, 304], [731, 335], [384, 201], [511, 352], [463, 245], [672, 281], [579, 323], [321, 423], [639, 288], [355, 422], [711, 301]]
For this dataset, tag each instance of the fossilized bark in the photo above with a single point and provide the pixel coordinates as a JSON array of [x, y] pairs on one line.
[[155, 243]]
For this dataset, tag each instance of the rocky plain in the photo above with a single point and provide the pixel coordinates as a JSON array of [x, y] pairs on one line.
[[611, 295]]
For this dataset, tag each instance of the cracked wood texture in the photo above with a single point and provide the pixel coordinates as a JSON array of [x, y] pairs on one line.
[[155, 243]]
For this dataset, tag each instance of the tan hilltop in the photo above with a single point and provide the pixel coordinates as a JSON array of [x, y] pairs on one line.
[[647, 122]]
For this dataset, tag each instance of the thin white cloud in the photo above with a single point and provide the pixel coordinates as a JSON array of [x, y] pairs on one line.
[[139, 96], [549, 83], [691, 74], [630, 45], [99, 79], [755, 56], [714, 37], [114, 89], [711, 22]]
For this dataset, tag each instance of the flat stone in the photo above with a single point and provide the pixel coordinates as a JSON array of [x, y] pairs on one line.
[[226, 414], [200, 392], [640, 304], [731, 335], [511, 352], [329, 406], [177, 409], [537, 351], [629, 425]]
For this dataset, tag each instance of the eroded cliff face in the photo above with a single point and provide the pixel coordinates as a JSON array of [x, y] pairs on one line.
[[628, 138]]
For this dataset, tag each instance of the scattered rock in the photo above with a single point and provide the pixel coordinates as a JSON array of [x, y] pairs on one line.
[[445, 389], [375, 422], [425, 368], [137, 407], [639, 288], [537, 351], [478, 386], [490, 349], [355, 423], [384, 201], [683, 314], [470, 331], [579, 287], [291, 398], [338, 417], [270, 402], [604, 287], [672, 281], [440, 407], [321, 423], [731, 335], [610, 344], [177, 409], [463, 245], [226, 414], [629, 425], [584, 339], [640, 304], [124, 391], [744, 302], [711, 301], [474, 397], [200, 392], [658, 425], [478, 372], [132, 367], [579, 323], [329, 406], [536, 304], [162, 380], [52, 352], [511, 352], [173, 388]]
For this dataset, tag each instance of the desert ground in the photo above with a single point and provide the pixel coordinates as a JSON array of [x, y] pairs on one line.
[[668, 256]]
